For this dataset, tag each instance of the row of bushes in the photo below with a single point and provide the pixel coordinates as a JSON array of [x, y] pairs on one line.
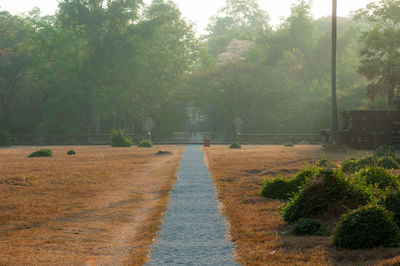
[[365, 205], [47, 153], [118, 139]]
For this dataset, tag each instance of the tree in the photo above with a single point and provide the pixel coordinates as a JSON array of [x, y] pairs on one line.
[[239, 19], [14, 62], [335, 134], [380, 57]]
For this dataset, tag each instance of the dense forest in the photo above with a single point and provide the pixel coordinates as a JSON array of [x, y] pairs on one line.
[[97, 65]]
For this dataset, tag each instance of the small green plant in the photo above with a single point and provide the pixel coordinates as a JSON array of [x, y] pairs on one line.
[[378, 177], [289, 144], [163, 153], [235, 145], [41, 153], [388, 162], [283, 188], [145, 143], [5, 140], [71, 152], [392, 203], [307, 226], [118, 138], [367, 227], [328, 195]]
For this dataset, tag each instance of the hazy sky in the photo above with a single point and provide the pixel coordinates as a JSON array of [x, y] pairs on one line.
[[199, 11]]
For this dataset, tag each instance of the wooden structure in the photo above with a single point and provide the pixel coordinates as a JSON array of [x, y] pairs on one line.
[[367, 129]]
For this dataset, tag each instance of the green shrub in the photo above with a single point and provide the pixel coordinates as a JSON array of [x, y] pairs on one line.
[[326, 163], [283, 188], [163, 152], [328, 195], [365, 162], [378, 177], [392, 203], [41, 153], [5, 140], [277, 188], [352, 165], [349, 166], [71, 152], [386, 151], [367, 227], [289, 144], [388, 163], [118, 138], [307, 226], [145, 143], [235, 145]]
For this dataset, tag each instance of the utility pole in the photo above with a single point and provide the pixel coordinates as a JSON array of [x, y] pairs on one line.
[[335, 134]]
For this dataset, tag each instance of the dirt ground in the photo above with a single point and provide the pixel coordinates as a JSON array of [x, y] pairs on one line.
[[256, 227], [101, 206]]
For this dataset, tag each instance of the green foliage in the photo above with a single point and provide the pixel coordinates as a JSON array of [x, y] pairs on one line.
[[41, 153], [349, 165], [386, 151], [289, 144], [392, 203], [145, 143], [235, 145], [328, 194], [118, 139], [378, 177], [71, 152], [163, 153], [367, 227], [388, 163], [5, 140], [307, 226], [283, 188], [326, 163]]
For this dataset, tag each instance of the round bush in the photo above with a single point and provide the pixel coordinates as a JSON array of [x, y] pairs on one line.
[[235, 145], [5, 140], [163, 153], [349, 166], [145, 143], [367, 227], [328, 194], [378, 177], [388, 163], [277, 188], [392, 203], [307, 226], [365, 162], [71, 152], [283, 188], [118, 139], [41, 153]]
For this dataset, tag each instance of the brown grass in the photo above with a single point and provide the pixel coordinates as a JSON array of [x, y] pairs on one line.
[[256, 227], [101, 206]]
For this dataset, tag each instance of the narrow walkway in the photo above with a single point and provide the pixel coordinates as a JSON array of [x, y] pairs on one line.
[[193, 230]]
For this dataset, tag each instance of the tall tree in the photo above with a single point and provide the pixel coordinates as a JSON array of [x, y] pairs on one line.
[[335, 133], [380, 57]]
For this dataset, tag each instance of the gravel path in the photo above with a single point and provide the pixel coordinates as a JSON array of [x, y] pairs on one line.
[[193, 230]]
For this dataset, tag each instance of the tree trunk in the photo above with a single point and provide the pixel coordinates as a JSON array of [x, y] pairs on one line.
[[335, 134]]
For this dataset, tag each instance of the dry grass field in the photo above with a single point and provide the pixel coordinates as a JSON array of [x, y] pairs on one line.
[[255, 224], [101, 206]]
